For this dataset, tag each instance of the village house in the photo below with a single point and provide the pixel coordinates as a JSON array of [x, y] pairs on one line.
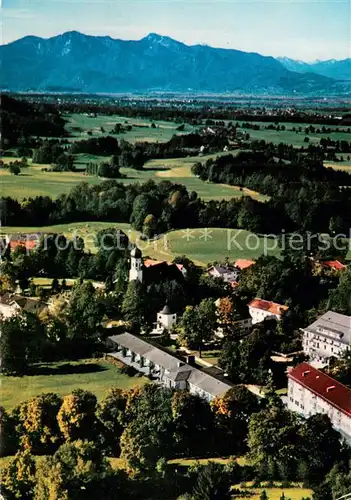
[[261, 309], [229, 274], [311, 391], [329, 335], [169, 370], [12, 304], [334, 265], [244, 263]]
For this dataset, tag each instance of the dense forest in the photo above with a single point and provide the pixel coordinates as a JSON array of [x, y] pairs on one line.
[[307, 193], [21, 120]]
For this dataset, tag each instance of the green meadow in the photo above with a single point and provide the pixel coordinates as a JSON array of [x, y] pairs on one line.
[[142, 129], [33, 181], [95, 375], [200, 245]]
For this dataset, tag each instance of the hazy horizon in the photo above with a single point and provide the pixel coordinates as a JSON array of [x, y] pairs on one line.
[[304, 30]]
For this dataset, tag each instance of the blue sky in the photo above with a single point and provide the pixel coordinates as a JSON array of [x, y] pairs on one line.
[[301, 29]]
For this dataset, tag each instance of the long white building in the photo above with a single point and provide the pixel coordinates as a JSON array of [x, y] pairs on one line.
[[329, 335], [311, 391], [169, 370]]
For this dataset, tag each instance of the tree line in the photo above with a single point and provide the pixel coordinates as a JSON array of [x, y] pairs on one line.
[[147, 426], [308, 195]]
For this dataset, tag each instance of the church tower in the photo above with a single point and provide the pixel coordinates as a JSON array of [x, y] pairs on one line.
[[136, 265]]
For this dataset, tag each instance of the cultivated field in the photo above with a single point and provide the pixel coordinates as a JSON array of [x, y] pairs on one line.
[[94, 375]]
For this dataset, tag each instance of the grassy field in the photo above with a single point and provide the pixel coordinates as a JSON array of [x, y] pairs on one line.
[[141, 128], [94, 375], [294, 493], [200, 245], [33, 181], [287, 136]]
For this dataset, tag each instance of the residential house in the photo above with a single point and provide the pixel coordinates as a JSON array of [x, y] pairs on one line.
[[227, 273], [261, 309], [334, 265], [311, 391], [329, 335], [244, 263], [11, 304], [168, 369]]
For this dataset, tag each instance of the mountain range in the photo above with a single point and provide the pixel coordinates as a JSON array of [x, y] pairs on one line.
[[100, 64], [339, 70]]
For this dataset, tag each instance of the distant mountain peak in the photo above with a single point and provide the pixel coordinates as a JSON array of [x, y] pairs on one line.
[[86, 63], [165, 41]]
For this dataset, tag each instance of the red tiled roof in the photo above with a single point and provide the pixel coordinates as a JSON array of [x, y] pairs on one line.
[[28, 244], [334, 264], [151, 262], [244, 263], [267, 305], [323, 386]]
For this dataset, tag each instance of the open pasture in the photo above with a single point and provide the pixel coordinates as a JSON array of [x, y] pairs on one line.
[[78, 126], [200, 245], [33, 181], [95, 375]]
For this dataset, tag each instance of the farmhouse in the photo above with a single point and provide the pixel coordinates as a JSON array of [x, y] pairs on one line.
[[228, 274], [244, 263], [329, 335], [311, 391], [260, 309], [334, 265], [168, 369], [11, 304], [29, 241]]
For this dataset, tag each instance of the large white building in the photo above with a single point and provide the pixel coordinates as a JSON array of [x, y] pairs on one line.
[[260, 310], [311, 391], [169, 370], [329, 335]]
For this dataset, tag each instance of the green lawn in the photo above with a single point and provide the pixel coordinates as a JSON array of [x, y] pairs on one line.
[[294, 493], [200, 245], [296, 139], [141, 128], [95, 375], [33, 181], [209, 244]]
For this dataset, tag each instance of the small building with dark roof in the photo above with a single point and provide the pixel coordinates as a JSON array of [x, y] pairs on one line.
[[166, 319]]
